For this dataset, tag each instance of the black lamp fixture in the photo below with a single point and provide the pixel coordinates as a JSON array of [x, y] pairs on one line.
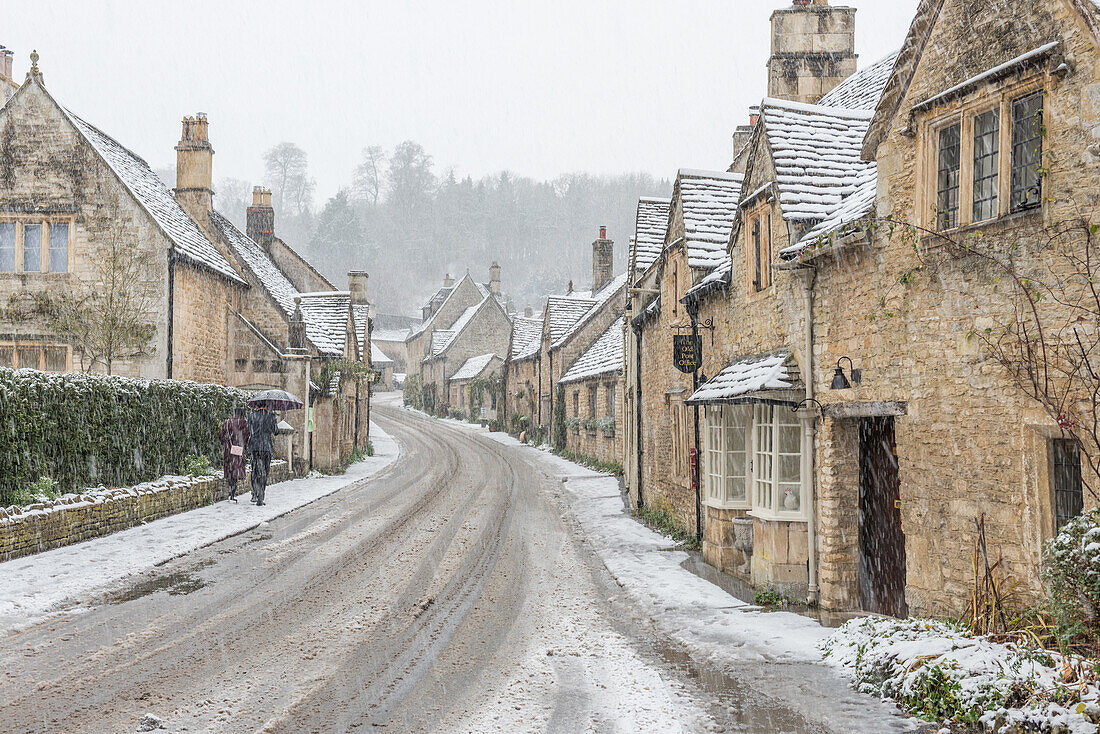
[[840, 381]]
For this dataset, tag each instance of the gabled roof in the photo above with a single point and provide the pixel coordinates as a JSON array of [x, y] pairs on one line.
[[859, 204], [442, 338], [708, 200], [920, 31], [188, 240], [326, 317], [862, 90], [526, 337], [378, 358], [473, 367], [256, 260], [650, 224], [564, 311], [816, 151], [599, 299], [603, 357], [452, 292]]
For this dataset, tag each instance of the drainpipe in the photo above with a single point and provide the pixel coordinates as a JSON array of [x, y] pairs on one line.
[[638, 408], [809, 427], [550, 378], [171, 308]]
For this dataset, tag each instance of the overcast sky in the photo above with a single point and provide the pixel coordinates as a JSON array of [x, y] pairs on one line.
[[537, 88]]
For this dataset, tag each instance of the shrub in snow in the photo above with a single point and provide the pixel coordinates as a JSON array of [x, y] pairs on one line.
[[82, 430], [1072, 570], [939, 672]]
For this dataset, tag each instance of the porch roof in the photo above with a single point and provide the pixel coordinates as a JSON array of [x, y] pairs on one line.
[[763, 378]]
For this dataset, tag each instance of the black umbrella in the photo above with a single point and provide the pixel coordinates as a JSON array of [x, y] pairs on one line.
[[275, 400]]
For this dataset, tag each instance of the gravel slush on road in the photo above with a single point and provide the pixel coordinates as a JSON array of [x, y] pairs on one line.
[[457, 582]]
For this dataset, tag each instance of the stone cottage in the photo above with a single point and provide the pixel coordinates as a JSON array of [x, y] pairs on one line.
[[593, 391], [471, 390], [521, 374]]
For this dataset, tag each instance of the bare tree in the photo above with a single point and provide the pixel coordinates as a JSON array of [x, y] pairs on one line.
[[367, 179], [287, 169], [110, 316]]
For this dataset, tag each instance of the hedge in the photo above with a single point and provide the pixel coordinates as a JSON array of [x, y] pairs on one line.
[[86, 430]]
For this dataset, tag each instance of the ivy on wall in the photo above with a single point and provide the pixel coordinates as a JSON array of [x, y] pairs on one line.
[[85, 430]]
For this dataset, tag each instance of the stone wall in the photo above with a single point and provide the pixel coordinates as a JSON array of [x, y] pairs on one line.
[[93, 514], [202, 306], [596, 443], [521, 390]]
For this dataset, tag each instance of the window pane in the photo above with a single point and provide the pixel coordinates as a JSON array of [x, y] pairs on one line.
[[1027, 151], [1066, 478], [987, 127], [7, 247], [27, 357], [735, 489], [790, 439], [32, 248], [55, 359], [7, 357], [947, 183], [790, 468], [59, 247]]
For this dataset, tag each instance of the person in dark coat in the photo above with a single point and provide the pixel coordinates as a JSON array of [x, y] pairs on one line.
[[234, 438], [261, 430]]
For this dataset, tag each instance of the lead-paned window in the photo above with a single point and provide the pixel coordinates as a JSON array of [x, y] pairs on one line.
[[576, 403], [611, 401], [56, 359], [1027, 151], [1066, 481], [758, 271], [32, 248], [593, 393], [987, 133], [27, 357], [59, 247], [947, 178], [7, 247]]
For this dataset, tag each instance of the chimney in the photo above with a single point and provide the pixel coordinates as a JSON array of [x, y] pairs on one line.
[[813, 50], [741, 137], [494, 278], [448, 281], [528, 312], [261, 218], [603, 264], [5, 63], [296, 328], [357, 285], [195, 169]]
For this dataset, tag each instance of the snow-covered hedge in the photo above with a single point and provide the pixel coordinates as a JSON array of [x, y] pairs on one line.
[[1072, 569], [84, 430], [940, 673]]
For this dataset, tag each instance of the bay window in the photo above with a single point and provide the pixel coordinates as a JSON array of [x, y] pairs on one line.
[[755, 460]]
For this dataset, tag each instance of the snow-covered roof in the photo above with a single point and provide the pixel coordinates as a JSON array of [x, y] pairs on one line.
[[442, 338], [360, 314], [390, 335], [187, 238], [650, 224], [473, 367], [709, 201], [851, 210], [817, 155], [439, 296], [717, 278], [326, 317], [862, 90], [378, 358], [526, 337], [604, 356], [256, 260], [776, 371], [989, 75], [564, 311], [601, 297]]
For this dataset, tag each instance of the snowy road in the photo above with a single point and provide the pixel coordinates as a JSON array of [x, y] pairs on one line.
[[446, 593]]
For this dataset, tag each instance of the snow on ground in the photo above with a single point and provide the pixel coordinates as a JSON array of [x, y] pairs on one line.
[[32, 586], [935, 666]]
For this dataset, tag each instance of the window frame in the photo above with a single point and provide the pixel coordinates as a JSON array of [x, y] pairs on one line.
[[41, 348], [995, 176], [46, 225], [964, 113], [941, 210], [1053, 451]]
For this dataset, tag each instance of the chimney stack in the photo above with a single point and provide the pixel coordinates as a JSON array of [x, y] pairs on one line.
[[195, 169], [5, 63], [741, 137], [494, 278], [603, 262], [813, 50], [357, 285], [528, 312], [448, 281], [261, 218]]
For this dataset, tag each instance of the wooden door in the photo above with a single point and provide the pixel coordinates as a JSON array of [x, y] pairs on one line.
[[881, 540]]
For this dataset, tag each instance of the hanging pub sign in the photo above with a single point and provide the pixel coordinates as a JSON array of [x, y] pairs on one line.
[[687, 352]]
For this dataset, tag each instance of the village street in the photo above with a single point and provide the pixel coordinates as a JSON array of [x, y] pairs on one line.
[[447, 593]]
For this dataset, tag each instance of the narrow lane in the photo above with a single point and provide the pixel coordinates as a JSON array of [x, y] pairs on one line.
[[445, 594]]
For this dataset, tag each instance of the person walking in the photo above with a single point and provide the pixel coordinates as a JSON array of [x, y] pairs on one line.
[[234, 438], [261, 431]]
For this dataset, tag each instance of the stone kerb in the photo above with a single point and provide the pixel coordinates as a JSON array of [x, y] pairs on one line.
[[97, 512]]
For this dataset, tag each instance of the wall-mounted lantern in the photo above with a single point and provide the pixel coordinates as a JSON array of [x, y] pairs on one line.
[[840, 380]]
